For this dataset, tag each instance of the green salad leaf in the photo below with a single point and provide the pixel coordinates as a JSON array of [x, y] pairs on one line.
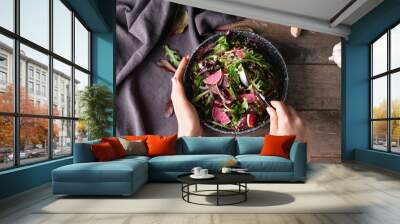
[[173, 57], [221, 45]]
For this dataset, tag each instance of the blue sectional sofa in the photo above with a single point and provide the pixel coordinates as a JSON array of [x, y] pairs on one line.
[[125, 176]]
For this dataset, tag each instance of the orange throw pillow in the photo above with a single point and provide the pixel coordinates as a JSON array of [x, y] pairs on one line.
[[161, 145], [135, 137], [116, 145], [103, 152], [277, 145]]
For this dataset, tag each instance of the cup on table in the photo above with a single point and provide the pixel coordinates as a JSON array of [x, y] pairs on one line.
[[196, 171], [203, 172], [226, 170]]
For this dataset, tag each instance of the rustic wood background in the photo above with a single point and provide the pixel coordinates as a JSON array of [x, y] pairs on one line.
[[314, 85]]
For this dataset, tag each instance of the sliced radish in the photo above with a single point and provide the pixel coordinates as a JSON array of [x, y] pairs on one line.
[[251, 120], [214, 78], [220, 116], [250, 97]]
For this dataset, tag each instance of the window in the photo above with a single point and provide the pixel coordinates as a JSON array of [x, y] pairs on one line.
[[38, 89], [7, 14], [7, 71], [3, 61], [81, 45], [385, 91], [34, 128], [44, 91], [3, 78], [3, 72], [30, 72], [62, 75], [30, 87], [38, 74]]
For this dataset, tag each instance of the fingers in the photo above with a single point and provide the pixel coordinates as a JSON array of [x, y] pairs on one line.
[[281, 109], [273, 121], [181, 68]]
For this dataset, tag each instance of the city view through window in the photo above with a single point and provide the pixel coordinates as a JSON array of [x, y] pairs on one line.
[[39, 113], [385, 91]]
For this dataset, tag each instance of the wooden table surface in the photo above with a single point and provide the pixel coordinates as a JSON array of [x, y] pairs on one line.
[[314, 86]]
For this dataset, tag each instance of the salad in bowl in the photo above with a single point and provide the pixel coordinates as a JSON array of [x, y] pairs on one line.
[[231, 78]]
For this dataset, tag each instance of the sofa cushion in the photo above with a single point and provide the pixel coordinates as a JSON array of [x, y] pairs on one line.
[[112, 171], [116, 145], [161, 145], [257, 163], [277, 145], [249, 145], [206, 145], [134, 147], [185, 163], [103, 152]]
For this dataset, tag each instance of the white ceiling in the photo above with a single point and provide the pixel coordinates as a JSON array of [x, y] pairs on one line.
[[315, 15], [320, 9]]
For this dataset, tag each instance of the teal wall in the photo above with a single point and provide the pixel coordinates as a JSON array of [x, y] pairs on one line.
[[355, 92], [99, 15], [24, 178]]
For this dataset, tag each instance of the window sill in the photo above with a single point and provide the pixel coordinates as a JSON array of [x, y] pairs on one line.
[[381, 159], [25, 167]]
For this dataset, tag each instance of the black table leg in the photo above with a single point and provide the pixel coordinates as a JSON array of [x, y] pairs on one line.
[[245, 193], [196, 187], [217, 194]]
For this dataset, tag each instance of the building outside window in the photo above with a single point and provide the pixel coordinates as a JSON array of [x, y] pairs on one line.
[[30, 72], [3, 72], [385, 91], [43, 90], [37, 74], [3, 78], [69, 36], [30, 87]]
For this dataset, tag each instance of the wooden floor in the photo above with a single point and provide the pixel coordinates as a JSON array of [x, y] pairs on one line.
[[378, 189]]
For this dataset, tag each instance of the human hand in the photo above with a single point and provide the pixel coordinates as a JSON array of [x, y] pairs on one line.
[[177, 80], [285, 121], [186, 115]]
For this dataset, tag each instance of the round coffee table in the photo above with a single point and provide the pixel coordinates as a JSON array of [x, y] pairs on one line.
[[238, 179]]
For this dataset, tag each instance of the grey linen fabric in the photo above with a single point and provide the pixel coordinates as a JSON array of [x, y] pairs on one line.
[[143, 89]]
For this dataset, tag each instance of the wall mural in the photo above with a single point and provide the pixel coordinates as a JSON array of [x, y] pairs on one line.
[[232, 69]]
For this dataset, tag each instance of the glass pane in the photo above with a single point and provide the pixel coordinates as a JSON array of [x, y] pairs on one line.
[[33, 139], [6, 74], [395, 94], [379, 97], [7, 14], [395, 47], [379, 55], [81, 131], [34, 21], [62, 89], [62, 29], [81, 81], [81, 45], [379, 135], [34, 72], [62, 138], [6, 142], [395, 136]]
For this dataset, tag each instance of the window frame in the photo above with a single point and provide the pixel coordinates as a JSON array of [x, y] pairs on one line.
[[388, 74], [16, 115]]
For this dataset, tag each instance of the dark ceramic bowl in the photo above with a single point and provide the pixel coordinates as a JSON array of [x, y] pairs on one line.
[[262, 46]]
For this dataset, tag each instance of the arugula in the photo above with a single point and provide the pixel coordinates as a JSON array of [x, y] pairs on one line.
[[172, 56], [221, 45], [232, 71]]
